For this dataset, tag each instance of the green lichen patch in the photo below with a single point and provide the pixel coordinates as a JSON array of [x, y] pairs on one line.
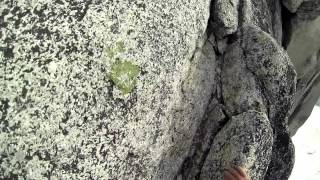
[[117, 48], [120, 47], [124, 74], [110, 52], [227, 152]]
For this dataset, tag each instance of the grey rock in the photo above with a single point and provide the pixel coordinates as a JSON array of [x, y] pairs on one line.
[[303, 28], [225, 17], [239, 94], [271, 23], [211, 124], [275, 72], [222, 45], [302, 42], [154, 90], [292, 5], [268, 88], [93, 89], [189, 107], [246, 141]]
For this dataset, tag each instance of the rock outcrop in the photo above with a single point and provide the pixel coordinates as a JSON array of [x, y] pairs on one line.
[[154, 89]]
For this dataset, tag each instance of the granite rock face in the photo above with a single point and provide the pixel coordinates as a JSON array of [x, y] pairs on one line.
[[292, 5], [225, 17], [153, 89], [246, 141], [101, 89]]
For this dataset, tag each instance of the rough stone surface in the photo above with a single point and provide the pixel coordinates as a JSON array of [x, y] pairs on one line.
[[246, 140], [292, 5], [93, 89], [154, 89], [277, 77], [225, 17], [268, 88]]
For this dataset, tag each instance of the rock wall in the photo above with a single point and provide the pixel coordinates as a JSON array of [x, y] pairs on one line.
[[95, 89]]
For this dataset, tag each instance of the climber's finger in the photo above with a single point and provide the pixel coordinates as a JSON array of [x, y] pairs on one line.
[[241, 171], [235, 173], [228, 176]]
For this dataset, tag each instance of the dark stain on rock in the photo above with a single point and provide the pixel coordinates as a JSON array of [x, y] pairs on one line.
[[81, 8], [24, 92], [4, 106], [7, 52], [66, 116]]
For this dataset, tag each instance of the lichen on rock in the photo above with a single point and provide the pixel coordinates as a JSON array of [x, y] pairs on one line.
[[124, 74]]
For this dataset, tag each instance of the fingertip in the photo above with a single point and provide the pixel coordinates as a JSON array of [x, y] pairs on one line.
[[227, 175], [242, 171]]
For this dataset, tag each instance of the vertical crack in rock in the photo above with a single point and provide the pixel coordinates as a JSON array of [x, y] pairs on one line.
[[196, 87], [286, 17], [214, 117], [210, 125]]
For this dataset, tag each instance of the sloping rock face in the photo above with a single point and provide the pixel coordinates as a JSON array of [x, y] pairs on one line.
[[150, 89]]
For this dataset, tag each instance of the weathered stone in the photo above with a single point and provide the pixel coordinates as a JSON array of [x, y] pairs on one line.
[[190, 106], [154, 90], [212, 123], [277, 77], [240, 95], [271, 23], [268, 88], [92, 89], [225, 17], [292, 5], [303, 45], [246, 141]]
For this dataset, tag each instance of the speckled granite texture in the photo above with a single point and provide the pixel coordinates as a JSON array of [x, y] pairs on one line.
[[89, 89], [145, 90]]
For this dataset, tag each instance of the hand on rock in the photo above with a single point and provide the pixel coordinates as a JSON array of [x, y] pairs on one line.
[[235, 173]]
